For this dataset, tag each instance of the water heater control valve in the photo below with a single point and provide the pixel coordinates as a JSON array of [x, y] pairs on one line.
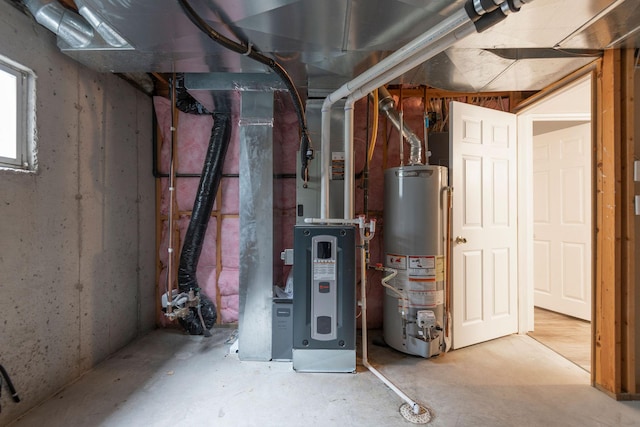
[[426, 319]]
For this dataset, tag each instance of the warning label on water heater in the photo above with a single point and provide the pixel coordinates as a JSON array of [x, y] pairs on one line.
[[423, 267], [399, 262], [425, 299]]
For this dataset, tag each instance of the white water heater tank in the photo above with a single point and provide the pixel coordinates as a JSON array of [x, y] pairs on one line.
[[414, 244]]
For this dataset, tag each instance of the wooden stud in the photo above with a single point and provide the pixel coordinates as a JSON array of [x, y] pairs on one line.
[[159, 220], [627, 322], [607, 339], [614, 355]]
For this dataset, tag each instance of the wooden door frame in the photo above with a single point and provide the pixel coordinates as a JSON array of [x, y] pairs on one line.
[[614, 289], [526, 119]]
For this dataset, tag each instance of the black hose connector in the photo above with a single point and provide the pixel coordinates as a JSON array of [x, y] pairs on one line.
[[477, 8], [488, 20], [514, 5], [471, 11]]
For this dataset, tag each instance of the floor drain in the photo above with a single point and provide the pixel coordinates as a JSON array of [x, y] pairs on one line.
[[422, 417]]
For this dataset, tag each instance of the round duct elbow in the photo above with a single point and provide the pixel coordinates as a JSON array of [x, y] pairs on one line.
[[67, 25], [105, 30]]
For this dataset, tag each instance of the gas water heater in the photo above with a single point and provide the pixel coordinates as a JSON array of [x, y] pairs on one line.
[[414, 245], [324, 298]]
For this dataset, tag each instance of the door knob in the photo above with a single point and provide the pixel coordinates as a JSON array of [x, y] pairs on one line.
[[460, 240]]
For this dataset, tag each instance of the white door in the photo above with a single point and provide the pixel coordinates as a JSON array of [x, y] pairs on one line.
[[562, 220], [484, 224]]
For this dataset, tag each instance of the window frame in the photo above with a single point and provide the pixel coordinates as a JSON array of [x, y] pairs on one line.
[[25, 159]]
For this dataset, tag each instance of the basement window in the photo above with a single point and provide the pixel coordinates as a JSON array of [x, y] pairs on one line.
[[17, 135]]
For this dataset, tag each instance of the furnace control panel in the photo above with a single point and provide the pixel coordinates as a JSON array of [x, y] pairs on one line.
[[323, 283]]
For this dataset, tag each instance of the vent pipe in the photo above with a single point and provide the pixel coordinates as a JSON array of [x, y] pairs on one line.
[[388, 106]]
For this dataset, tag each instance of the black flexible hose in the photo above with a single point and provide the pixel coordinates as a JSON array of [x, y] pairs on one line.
[[12, 389], [205, 198], [306, 150], [202, 318]]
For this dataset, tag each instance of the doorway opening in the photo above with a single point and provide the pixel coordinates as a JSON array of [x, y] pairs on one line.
[[559, 138]]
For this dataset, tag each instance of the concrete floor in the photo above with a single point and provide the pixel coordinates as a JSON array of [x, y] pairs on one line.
[[170, 379]]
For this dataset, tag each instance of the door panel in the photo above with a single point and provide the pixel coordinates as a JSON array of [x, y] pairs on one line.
[[484, 275], [562, 221]]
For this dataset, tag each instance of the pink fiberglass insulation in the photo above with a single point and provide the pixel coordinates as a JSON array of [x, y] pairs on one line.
[[229, 308], [230, 195], [186, 190], [228, 283], [286, 134], [287, 194], [230, 243]]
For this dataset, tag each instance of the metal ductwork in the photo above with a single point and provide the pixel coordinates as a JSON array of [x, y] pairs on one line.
[[67, 25], [108, 33], [77, 31], [325, 44]]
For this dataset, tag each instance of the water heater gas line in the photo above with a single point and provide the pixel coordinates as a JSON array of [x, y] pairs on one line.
[[474, 16]]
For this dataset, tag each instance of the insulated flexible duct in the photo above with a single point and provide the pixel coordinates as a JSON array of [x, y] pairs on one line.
[[201, 213]]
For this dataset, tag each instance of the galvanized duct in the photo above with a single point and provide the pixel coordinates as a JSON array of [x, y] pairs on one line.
[[75, 30], [67, 25]]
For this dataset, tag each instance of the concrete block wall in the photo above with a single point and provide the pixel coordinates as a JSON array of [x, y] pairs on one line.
[[77, 243]]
